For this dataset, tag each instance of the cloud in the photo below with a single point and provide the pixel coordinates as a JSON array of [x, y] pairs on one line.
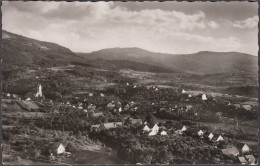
[[213, 24], [90, 26], [247, 23]]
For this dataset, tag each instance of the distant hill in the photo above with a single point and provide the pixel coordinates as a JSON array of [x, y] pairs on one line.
[[18, 50], [22, 51], [201, 62]]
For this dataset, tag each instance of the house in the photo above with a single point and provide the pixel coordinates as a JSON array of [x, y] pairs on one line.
[[183, 91], [190, 95], [95, 127], [137, 121], [204, 97], [247, 107], [184, 128], [57, 148], [155, 128], [220, 138], [146, 128], [28, 99], [251, 159], [112, 125], [230, 151], [90, 94], [200, 133], [163, 133], [242, 160], [98, 114], [245, 149], [102, 95], [210, 136], [152, 133], [120, 109]]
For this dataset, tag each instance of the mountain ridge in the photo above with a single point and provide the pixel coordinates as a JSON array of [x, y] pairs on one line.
[[19, 50]]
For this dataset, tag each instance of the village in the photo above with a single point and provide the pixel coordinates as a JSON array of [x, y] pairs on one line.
[[144, 124]]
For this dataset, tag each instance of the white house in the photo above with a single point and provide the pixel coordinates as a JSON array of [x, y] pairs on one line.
[[242, 160], [190, 95], [204, 97], [102, 94], [146, 128], [184, 128], [152, 133], [245, 149], [57, 148], [163, 133], [220, 138], [28, 99], [155, 128], [200, 133], [120, 109], [183, 91], [210, 136], [90, 94], [251, 159]]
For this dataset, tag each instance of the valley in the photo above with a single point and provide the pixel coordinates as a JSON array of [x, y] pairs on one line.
[[126, 106]]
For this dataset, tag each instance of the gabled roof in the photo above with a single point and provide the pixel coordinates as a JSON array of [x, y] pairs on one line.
[[184, 128], [137, 121], [163, 133], [242, 160], [245, 148], [112, 125], [55, 145], [251, 159], [200, 133], [220, 138], [210, 136], [231, 151], [109, 125], [146, 128]]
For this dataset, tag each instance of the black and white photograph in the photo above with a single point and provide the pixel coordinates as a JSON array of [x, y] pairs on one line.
[[141, 83]]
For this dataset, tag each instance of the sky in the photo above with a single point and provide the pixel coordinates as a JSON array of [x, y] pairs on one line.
[[166, 27]]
